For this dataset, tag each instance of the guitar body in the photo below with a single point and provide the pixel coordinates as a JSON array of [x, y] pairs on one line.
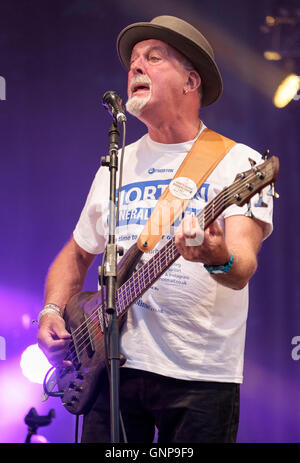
[[80, 381], [87, 366]]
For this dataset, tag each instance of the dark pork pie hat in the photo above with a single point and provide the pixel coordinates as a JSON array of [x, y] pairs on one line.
[[186, 39]]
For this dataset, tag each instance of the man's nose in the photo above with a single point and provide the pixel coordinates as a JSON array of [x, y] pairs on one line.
[[138, 66]]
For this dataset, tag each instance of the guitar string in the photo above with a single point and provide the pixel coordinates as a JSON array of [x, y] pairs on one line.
[[213, 205]]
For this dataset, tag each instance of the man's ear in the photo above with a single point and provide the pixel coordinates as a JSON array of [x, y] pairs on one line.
[[194, 81]]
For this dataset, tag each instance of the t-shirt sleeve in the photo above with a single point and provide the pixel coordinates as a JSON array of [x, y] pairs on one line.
[[240, 155]]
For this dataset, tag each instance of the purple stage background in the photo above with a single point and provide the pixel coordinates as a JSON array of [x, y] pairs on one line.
[[58, 58]]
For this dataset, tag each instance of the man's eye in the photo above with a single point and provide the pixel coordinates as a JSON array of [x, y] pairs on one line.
[[154, 58]]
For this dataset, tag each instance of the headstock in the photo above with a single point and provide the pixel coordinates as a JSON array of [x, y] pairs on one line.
[[252, 181]]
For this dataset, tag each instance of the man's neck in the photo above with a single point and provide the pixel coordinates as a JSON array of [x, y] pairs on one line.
[[178, 132]]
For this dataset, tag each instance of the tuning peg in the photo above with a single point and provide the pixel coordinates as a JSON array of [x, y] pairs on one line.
[[272, 192], [252, 162], [266, 155], [249, 211], [260, 202]]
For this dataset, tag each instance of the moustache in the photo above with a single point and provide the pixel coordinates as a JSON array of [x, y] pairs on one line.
[[139, 79]]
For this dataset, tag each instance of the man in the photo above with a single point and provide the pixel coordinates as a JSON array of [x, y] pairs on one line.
[[184, 339]]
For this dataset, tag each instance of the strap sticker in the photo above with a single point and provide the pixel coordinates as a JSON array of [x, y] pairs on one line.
[[183, 188]]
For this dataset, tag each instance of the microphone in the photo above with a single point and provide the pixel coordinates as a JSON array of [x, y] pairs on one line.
[[112, 101]]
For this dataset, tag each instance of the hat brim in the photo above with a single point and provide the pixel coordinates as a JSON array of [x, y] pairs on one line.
[[210, 76]]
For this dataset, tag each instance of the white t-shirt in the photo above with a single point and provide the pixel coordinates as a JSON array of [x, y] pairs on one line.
[[186, 325]]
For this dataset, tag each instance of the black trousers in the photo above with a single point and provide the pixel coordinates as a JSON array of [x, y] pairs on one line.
[[183, 411]]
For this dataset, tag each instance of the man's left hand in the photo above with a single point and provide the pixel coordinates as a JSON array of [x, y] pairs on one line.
[[212, 251]]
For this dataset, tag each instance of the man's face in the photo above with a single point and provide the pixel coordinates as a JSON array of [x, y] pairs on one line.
[[156, 78]]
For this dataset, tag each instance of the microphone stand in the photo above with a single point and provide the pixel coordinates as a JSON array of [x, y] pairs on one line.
[[110, 274]]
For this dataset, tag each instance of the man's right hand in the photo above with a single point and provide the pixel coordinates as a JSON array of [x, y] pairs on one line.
[[54, 339], [65, 278]]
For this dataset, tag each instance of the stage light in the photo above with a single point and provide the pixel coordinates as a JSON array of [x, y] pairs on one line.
[[34, 364], [39, 439], [270, 20], [2, 348], [281, 31], [271, 55], [286, 91]]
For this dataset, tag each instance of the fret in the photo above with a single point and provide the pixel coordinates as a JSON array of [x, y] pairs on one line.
[[138, 281], [154, 264], [147, 277], [120, 305], [157, 266], [214, 208], [99, 318], [134, 282], [125, 291], [134, 289]]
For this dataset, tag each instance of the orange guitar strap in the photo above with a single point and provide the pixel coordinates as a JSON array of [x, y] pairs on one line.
[[205, 154]]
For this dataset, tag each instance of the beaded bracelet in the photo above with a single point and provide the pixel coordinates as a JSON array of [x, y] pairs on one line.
[[215, 269]]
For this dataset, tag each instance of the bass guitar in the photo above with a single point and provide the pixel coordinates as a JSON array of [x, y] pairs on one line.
[[85, 315]]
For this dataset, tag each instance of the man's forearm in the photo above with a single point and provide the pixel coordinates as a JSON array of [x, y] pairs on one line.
[[244, 266], [67, 274]]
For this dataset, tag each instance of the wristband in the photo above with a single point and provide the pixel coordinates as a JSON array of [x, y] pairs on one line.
[[53, 306], [217, 269], [48, 310]]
